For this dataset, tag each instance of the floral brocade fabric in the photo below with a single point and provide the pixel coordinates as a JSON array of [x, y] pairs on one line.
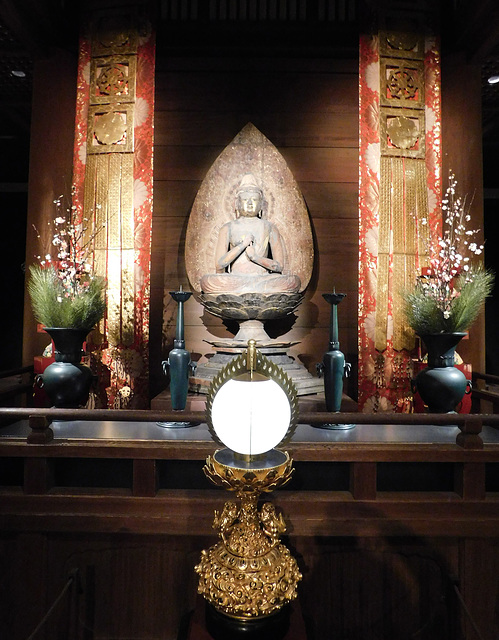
[[384, 374], [119, 355]]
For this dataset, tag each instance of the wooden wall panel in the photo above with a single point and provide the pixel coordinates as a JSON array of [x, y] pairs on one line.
[[250, 85], [316, 129], [309, 110], [51, 164], [403, 588]]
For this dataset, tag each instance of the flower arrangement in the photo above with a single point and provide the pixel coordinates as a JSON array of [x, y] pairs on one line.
[[449, 297], [63, 290]]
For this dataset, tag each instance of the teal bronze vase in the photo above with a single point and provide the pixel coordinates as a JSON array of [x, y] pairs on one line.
[[333, 366], [67, 381], [179, 363], [441, 385]]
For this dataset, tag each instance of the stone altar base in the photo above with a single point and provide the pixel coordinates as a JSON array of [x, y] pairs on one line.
[[303, 380]]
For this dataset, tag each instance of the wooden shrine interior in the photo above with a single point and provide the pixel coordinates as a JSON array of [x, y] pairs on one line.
[[392, 537]]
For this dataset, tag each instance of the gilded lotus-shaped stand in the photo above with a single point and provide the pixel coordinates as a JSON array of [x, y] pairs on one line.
[[248, 574]]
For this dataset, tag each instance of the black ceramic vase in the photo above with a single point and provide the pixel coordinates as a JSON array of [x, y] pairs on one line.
[[66, 381], [441, 385]]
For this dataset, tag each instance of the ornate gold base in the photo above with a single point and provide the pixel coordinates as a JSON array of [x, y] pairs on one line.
[[248, 574]]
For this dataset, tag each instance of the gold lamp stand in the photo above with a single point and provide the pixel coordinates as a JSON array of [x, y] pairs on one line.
[[248, 577], [248, 573]]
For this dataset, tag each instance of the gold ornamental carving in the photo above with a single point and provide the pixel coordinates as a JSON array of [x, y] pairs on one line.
[[402, 133], [110, 129], [114, 33], [113, 78], [248, 574], [408, 44], [402, 83]]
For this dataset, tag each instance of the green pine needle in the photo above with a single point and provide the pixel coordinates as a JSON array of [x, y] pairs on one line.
[[53, 307], [425, 314]]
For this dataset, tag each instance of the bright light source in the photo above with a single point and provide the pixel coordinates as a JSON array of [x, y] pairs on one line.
[[18, 73], [493, 80], [251, 417]]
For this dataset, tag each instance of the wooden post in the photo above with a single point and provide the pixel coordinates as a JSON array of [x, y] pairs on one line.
[[41, 433], [363, 480], [469, 480], [469, 436], [145, 478]]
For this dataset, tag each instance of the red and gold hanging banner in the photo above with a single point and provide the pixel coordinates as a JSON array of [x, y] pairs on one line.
[[399, 188], [113, 181]]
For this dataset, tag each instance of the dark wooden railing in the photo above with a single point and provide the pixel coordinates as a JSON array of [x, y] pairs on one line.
[[97, 505], [470, 425], [23, 385], [351, 472], [483, 393]]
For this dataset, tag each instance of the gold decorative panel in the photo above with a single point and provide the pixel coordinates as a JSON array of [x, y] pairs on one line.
[[402, 83], [402, 133], [402, 44], [110, 128], [114, 33], [403, 204], [113, 78]]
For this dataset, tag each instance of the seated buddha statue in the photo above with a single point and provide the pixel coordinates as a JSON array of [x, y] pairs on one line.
[[250, 254]]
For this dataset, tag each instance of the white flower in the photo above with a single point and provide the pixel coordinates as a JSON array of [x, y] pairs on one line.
[[82, 153], [430, 118], [371, 239], [373, 157], [372, 76], [86, 73], [141, 111], [140, 193]]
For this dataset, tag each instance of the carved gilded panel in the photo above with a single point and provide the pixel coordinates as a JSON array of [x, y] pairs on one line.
[[112, 79], [402, 83], [402, 44], [110, 128], [402, 133], [114, 33]]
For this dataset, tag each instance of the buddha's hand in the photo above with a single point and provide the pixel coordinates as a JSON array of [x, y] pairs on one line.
[[248, 240], [274, 266]]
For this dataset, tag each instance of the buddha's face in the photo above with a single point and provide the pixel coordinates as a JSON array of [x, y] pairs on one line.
[[249, 203]]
